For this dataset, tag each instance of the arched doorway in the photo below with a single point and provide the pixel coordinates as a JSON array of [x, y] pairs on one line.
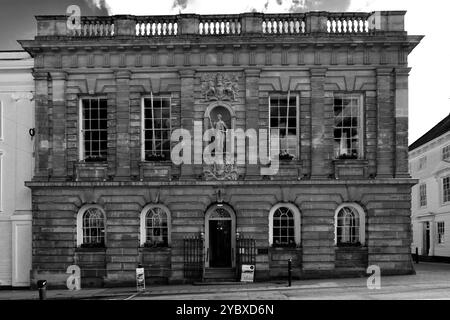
[[220, 240]]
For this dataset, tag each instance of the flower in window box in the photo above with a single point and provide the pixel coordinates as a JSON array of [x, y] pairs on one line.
[[93, 245], [348, 156], [95, 159], [155, 244], [155, 157], [350, 244], [284, 155]]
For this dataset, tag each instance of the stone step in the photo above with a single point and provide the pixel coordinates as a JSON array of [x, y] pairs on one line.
[[218, 274]]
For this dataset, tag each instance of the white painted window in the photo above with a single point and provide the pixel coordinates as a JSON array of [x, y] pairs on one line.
[[156, 128], [284, 225], [155, 226], [422, 163], [423, 195], [348, 126], [93, 126], [349, 225], [446, 153], [91, 226], [440, 232], [446, 189], [283, 114]]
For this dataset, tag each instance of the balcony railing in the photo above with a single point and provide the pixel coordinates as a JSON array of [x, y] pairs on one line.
[[332, 23]]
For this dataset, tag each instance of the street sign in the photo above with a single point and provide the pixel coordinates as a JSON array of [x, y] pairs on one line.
[[248, 273], [140, 279]]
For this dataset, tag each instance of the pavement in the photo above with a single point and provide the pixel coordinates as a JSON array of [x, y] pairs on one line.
[[431, 281]]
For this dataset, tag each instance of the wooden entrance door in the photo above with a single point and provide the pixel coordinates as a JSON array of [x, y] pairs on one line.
[[220, 243], [426, 240]]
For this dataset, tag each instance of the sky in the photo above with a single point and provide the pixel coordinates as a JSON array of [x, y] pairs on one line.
[[429, 85]]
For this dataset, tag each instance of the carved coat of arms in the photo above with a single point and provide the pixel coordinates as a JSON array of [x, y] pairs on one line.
[[220, 86], [221, 172]]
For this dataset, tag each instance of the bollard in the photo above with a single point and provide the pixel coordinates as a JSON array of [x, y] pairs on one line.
[[417, 255], [42, 287], [289, 272]]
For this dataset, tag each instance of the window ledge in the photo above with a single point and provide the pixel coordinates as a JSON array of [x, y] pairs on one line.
[[90, 249], [155, 170], [97, 171], [278, 247], [155, 249], [351, 168]]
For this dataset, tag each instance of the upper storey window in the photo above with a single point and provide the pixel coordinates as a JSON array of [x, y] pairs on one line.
[[156, 128], [348, 126], [446, 153], [422, 163], [93, 129], [283, 114]]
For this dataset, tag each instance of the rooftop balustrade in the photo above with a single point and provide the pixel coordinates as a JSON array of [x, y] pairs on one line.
[[316, 22]]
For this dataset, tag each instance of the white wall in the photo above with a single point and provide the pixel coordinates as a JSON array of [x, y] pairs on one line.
[[16, 152], [435, 210]]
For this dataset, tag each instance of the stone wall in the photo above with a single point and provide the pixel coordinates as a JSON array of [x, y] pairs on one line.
[[386, 206]]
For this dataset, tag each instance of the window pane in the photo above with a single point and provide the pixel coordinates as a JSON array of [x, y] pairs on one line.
[[157, 128], [93, 227], [283, 227], [95, 124], [347, 229], [347, 127], [283, 116], [156, 227]]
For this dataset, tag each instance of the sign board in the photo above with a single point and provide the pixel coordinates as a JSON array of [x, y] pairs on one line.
[[248, 273], [140, 279]]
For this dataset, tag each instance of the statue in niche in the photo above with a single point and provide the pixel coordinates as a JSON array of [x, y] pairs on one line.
[[223, 170]]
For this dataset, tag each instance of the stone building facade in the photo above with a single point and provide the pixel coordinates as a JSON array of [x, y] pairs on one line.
[[107, 197]]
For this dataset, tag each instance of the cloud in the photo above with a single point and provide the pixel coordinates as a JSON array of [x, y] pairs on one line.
[[17, 17], [181, 4], [319, 5]]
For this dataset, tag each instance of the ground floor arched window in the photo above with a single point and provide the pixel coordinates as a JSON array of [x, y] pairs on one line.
[[349, 225], [91, 226], [284, 225]]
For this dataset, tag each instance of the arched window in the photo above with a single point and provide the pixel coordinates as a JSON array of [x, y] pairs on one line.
[[91, 226], [349, 225], [284, 225], [155, 226]]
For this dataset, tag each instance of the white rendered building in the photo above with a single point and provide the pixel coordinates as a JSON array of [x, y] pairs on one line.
[[16, 166], [429, 161]]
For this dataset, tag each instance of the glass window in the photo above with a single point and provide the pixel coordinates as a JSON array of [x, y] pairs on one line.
[[348, 225], [284, 117], [348, 126], [93, 228], [283, 227], [446, 153], [423, 195], [156, 128], [422, 163], [156, 227], [441, 232], [446, 189], [94, 129]]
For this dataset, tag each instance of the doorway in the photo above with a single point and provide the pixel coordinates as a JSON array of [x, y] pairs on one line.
[[426, 238], [220, 241]]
